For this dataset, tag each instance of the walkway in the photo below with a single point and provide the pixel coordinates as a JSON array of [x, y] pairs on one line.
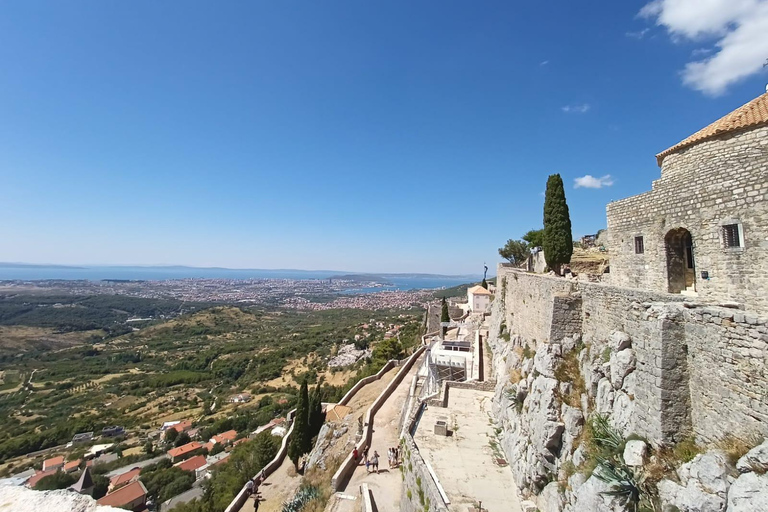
[[281, 485], [386, 485]]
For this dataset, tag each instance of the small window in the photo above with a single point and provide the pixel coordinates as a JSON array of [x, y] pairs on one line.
[[639, 246], [731, 235]]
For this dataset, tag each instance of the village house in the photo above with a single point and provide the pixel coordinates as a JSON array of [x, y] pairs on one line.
[[124, 479], [34, 479], [53, 463], [240, 398], [193, 463], [225, 438], [177, 454], [178, 426], [132, 497], [478, 299], [72, 466], [702, 228]]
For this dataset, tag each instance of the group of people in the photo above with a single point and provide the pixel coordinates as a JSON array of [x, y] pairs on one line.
[[372, 463], [252, 488]]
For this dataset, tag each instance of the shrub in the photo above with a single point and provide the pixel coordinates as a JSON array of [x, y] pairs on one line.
[[686, 450]]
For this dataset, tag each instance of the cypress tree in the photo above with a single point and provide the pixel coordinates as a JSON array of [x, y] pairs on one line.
[[444, 316], [558, 239], [300, 439], [316, 416]]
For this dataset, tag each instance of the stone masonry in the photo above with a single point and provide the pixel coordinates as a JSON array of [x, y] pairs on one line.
[[703, 187], [700, 369]]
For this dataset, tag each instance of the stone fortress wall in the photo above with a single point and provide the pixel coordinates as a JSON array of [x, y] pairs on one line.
[[702, 187], [700, 369]]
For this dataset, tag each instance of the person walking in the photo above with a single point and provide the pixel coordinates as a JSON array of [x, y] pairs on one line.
[[355, 455], [365, 453], [375, 461]]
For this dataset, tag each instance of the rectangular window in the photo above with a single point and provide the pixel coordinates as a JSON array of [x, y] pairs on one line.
[[731, 236], [639, 247]]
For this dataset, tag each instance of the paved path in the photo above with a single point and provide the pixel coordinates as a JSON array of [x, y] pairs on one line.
[[386, 485]]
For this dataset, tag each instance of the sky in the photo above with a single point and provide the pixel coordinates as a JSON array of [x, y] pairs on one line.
[[395, 136]]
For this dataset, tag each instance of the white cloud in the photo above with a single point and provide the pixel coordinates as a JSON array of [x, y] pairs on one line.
[[739, 26], [544, 63], [576, 109], [639, 34], [590, 181]]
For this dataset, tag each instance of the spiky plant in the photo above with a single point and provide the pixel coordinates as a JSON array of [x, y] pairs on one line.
[[605, 435], [623, 481], [301, 498]]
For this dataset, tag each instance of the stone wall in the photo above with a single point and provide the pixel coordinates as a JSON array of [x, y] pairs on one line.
[[699, 369], [528, 302], [716, 182], [417, 477]]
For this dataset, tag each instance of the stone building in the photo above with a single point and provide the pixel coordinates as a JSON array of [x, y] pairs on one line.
[[702, 230]]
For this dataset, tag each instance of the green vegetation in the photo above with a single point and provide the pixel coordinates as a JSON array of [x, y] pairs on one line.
[[246, 460], [558, 239], [303, 496], [516, 251], [164, 481], [301, 439], [58, 480], [185, 365], [534, 237]]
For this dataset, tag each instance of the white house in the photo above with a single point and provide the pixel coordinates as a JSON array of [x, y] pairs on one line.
[[478, 299]]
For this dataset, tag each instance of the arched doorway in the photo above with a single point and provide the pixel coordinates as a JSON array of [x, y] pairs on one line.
[[681, 273]]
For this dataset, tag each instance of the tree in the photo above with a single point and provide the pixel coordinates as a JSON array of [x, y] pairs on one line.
[[444, 315], [558, 239], [182, 439], [316, 417], [534, 237], [170, 435], [149, 448], [484, 284], [516, 251], [58, 480], [300, 438]]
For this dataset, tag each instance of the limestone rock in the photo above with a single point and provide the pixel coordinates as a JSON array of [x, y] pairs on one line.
[[579, 457], [545, 361], [749, 493], [755, 459], [604, 396], [630, 384], [623, 413], [619, 341], [590, 498], [635, 452], [621, 364], [528, 506], [551, 499], [573, 420], [703, 487]]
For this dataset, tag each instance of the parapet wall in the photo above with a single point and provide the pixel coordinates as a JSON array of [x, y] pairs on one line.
[[700, 369]]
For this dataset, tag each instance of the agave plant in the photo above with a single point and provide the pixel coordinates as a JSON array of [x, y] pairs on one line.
[[301, 498], [605, 435], [623, 481]]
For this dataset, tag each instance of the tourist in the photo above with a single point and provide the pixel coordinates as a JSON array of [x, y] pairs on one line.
[[397, 455], [367, 465], [365, 453], [355, 454], [375, 461], [249, 487]]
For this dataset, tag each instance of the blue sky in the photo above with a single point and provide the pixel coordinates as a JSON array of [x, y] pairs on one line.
[[364, 136]]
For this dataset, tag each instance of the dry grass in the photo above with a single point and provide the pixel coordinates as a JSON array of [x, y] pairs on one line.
[[686, 450], [735, 447], [515, 376], [568, 371]]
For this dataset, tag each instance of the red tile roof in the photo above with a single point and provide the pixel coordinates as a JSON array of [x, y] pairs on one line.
[[226, 437], [72, 465], [124, 495], [193, 463], [124, 478], [750, 115], [184, 449], [53, 462], [181, 426], [40, 474], [209, 446]]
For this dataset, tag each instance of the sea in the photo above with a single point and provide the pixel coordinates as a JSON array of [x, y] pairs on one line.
[[161, 273]]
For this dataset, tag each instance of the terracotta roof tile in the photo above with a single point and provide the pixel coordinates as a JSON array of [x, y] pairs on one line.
[[479, 290], [183, 449], [752, 114], [125, 478], [72, 465], [193, 463], [124, 495], [226, 437], [53, 462], [32, 482]]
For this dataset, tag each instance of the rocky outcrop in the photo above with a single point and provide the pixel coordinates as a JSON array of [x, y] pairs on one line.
[[703, 486]]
